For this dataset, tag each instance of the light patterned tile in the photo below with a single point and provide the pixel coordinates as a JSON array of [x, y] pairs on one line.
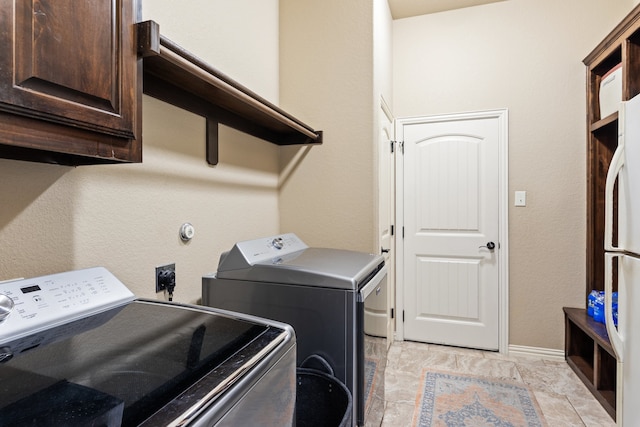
[[554, 362], [524, 358], [494, 368], [414, 359], [394, 351], [401, 387], [417, 345], [555, 379], [591, 412], [563, 398], [461, 351], [398, 414], [557, 410]]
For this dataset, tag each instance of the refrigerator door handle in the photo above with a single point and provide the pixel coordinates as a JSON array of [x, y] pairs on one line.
[[614, 169], [617, 340]]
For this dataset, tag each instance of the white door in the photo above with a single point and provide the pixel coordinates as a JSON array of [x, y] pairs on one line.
[[451, 178], [386, 206]]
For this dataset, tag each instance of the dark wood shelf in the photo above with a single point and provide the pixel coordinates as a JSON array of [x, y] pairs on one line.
[[582, 367], [596, 330], [608, 401], [611, 119], [176, 76]]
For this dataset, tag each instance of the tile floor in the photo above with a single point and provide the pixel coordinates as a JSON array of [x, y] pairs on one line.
[[563, 398]]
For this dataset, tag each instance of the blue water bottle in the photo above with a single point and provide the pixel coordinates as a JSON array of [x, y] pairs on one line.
[[598, 308], [614, 308], [591, 301]]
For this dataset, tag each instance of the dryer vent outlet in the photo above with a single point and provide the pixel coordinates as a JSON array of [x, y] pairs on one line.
[[165, 277]]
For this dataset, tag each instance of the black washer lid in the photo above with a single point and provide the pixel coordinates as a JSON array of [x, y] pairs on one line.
[[130, 361]]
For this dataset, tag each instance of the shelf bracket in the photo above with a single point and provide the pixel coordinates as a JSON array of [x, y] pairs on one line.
[[212, 142]]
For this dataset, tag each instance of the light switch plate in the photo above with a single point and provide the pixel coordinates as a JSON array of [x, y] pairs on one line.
[[521, 198]]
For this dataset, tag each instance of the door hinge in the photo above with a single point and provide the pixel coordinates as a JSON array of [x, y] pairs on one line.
[[403, 231], [391, 143], [392, 229], [400, 146], [392, 313], [402, 316]]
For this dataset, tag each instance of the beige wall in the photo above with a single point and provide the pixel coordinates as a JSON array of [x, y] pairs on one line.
[[127, 217], [524, 55], [326, 77]]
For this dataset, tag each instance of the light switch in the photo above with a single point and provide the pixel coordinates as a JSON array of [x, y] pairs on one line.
[[521, 198]]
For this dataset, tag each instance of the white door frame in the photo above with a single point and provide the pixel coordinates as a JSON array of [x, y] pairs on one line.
[[503, 254], [391, 256]]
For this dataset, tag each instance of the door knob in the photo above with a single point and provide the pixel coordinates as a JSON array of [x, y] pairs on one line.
[[490, 245]]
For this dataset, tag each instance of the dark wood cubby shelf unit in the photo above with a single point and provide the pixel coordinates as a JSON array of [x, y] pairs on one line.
[[587, 347], [177, 77], [589, 353]]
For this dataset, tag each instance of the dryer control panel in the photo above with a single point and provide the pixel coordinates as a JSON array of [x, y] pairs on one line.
[[265, 249]]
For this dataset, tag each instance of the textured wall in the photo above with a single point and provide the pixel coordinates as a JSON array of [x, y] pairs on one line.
[[326, 77], [127, 217]]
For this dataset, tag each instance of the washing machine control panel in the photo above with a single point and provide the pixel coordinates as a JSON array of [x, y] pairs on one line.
[[265, 249], [33, 305]]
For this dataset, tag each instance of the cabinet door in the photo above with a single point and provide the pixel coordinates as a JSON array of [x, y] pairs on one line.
[[71, 62]]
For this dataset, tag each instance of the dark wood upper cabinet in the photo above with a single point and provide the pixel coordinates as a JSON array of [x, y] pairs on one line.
[[71, 84], [70, 81]]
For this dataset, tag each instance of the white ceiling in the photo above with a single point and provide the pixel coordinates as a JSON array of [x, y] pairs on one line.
[[407, 8]]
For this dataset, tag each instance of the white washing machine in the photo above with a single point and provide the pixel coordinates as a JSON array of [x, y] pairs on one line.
[[78, 349]]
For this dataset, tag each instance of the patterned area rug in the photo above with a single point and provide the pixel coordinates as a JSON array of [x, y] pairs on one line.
[[455, 400]]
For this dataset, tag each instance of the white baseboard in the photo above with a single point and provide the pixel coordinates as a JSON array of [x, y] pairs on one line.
[[546, 353]]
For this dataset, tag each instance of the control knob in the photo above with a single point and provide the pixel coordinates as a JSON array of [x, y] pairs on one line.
[[6, 305], [278, 243]]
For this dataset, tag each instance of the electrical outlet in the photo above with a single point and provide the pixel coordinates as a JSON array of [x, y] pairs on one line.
[[165, 274]]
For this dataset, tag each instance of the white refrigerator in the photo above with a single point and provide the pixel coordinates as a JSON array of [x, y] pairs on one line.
[[625, 339]]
